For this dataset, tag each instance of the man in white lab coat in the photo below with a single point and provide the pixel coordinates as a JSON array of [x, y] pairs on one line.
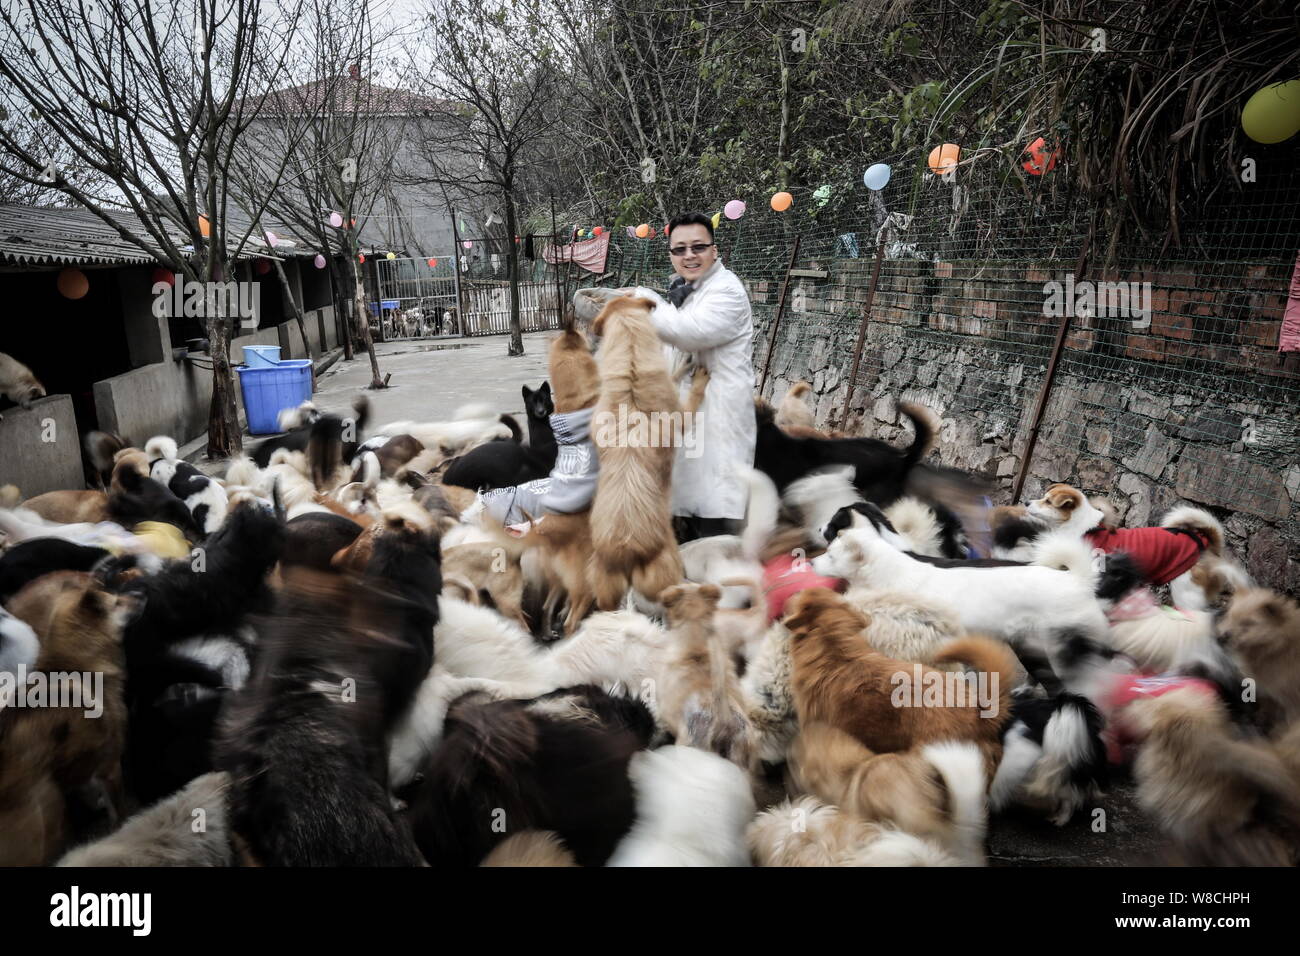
[[706, 312]]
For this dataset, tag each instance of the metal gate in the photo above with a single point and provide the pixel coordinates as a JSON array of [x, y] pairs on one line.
[[420, 298]]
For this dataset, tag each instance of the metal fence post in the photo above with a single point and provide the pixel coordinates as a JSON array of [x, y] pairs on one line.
[[776, 319], [862, 330]]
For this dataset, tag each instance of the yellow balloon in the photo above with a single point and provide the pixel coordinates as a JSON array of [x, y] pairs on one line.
[[1273, 113], [717, 217]]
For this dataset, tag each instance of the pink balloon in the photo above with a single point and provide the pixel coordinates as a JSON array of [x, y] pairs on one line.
[[272, 239], [319, 261], [734, 209], [336, 220], [467, 244]]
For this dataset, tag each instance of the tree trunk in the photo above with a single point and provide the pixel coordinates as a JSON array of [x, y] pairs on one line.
[[343, 303], [363, 323], [224, 438], [512, 264], [291, 306]]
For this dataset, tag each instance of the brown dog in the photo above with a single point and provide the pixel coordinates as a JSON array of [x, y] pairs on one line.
[[631, 517], [1262, 630], [68, 751], [700, 699], [887, 704], [490, 569]]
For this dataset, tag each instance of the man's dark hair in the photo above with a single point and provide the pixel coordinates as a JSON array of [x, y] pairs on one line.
[[691, 219]]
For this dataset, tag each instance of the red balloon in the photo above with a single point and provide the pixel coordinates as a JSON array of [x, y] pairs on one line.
[[433, 263], [261, 267], [361, 257], [1040, 161], [595, 232], [164, 275]]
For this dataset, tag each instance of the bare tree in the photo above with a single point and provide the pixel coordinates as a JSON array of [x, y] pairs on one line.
[[496, 80], [329, 127], [153, 102]]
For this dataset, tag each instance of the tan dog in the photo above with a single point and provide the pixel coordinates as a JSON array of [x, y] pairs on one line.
[[793, 410], [58, 754], [841, 680], [1226, 801], [631, 517], [69, 507], [700, 699], [936, 791], [1262, 630], [492, 569], [17, 383]]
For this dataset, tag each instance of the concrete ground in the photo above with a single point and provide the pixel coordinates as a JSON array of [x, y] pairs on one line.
[[430, 378]]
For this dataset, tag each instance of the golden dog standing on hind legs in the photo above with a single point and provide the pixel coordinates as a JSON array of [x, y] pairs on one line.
[[636, 429]]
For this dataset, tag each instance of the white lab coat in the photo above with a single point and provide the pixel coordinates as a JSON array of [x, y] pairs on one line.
[[716, 323]]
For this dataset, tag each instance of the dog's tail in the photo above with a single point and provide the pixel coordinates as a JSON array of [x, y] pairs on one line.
[[1063, 552], [916, 521], [900, 848], [1200, 523], [10, 496], [798, 390], [926, 427], [1074, 756], [360, 418], [243, 471], [960, 765], [1119, 576], [761, 514], [325, 450], [985, 655], [100, 449], [509, 421], [161, 446]]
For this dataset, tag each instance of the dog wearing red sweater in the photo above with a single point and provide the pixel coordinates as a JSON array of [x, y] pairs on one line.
[[1185, 551]]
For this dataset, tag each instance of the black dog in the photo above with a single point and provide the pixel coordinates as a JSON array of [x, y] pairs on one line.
[[306, 741], [312, 540], [556, 763], [172, 698], [881, 470], [142, 499], [502, 464], [28, 560]]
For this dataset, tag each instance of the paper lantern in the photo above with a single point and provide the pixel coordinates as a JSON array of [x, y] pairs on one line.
[[72, 283], [205, 227], [643, 231], [336, 220], [391, 255], [781, 201], [261, 267], [595, 232], [717, 218], [1040, 161], [433, 263], [943, 158], [319, 261], [1273, 113], [877, 176], [361, 258], [822, 194], [734, 209], [164, 275]]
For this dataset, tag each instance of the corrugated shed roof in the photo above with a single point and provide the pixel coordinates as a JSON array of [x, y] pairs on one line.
[[45, 236]]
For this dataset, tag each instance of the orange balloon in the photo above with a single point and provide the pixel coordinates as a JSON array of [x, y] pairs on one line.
[[205, 227], [781, 201], [73, 284], [643, 231], [944, 158]]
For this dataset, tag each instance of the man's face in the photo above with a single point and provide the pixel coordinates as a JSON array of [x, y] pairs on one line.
[[690, 265]]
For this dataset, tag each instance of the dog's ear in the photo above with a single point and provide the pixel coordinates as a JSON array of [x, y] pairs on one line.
[[670, 596], [545, 389], [528, 394]]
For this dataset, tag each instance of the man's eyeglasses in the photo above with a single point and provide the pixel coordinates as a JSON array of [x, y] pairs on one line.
[[696, 249]]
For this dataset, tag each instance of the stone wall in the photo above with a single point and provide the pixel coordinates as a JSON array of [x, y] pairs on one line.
[[1196, 406]]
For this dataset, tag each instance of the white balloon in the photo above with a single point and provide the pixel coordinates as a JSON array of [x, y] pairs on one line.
[[877, 176]]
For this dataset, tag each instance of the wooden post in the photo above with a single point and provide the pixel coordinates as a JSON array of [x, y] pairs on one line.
[[862, 330], [560, 308], [1045, 391], [776, 319]]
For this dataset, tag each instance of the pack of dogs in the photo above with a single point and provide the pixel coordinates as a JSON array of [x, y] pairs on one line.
[[333, 655]]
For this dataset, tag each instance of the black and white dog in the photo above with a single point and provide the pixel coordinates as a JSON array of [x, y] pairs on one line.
[[204, 496]]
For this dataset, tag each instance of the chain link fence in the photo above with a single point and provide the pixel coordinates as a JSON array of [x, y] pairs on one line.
[[1146, 371]]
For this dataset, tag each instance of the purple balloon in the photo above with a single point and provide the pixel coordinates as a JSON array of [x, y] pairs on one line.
[[319, 261], [734, 209]]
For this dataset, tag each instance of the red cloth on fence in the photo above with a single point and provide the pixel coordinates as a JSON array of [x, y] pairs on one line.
[[1160, 554], [588, 253], [1290, 340]]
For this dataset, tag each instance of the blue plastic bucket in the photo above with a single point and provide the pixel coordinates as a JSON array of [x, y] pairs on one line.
[[269, 391], [261, 356]]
